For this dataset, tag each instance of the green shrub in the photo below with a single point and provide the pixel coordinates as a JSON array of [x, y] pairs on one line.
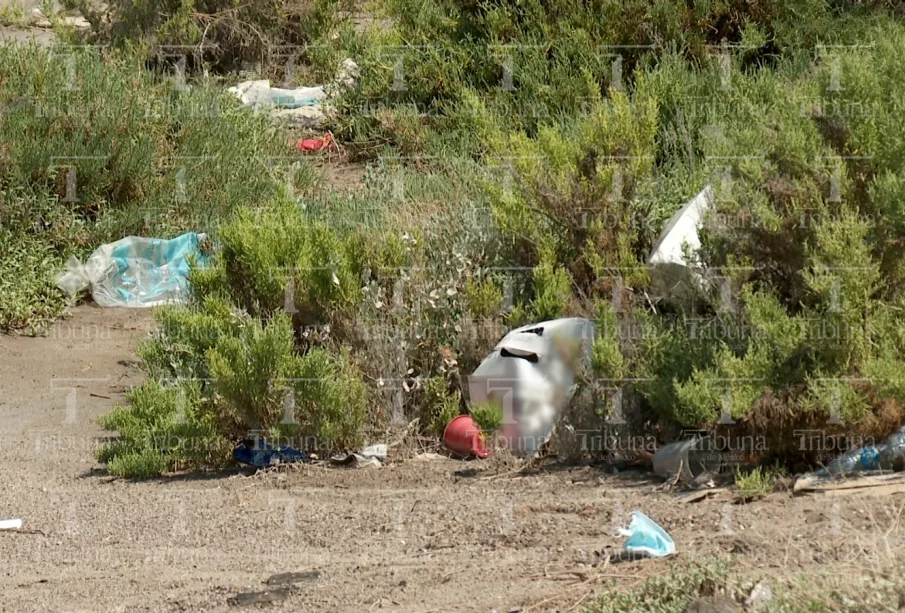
[[95, 148], [217, 378], [440, 406], [552, 289], [280, 259], [179, 345], [796, 238], [246, 371], [330, 399], [488, 417], [164, 428], [223, 34], [28, 295], [531, 63]]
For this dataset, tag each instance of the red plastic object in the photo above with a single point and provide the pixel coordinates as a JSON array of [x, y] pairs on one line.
[[463, 436], [316, 144]]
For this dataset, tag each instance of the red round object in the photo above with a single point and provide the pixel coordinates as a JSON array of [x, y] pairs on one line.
[[463, 436]]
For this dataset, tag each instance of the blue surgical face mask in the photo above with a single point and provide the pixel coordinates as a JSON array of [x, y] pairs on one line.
[[647, 537]]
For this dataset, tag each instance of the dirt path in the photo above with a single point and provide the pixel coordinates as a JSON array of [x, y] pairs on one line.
[[415, 536]]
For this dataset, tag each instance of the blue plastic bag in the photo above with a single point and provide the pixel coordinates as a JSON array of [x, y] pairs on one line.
[[136, 271], [262, 454], [646, 537]]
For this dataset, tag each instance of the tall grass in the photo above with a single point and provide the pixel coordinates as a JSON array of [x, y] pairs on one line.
[[96, 148]]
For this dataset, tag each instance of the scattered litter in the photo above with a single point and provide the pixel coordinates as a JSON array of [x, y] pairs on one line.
[[670, 275], [378, 450], [865, 485], [463, 437], [261, 454], [859, 460], [369, 456], [687, 460], [39, 20], [292, 578], [646, 537], [892, 455], [698, 495], [260, 93], [136, 271], [889, 455], [304, 105], [429, 456], [10, 524], [316, 144], [247, 599], [759, 597], [532, 372], [355, 460]]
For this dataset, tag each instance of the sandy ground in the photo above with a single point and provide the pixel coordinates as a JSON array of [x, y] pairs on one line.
[[420, 535], [24, 33]]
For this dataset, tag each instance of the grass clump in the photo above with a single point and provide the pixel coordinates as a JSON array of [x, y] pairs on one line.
[[488, 417], [440, 405], [670, 593], [163, 428], [757, 482]]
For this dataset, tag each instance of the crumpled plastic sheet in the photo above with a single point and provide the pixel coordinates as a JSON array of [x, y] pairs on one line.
[[135, 271]]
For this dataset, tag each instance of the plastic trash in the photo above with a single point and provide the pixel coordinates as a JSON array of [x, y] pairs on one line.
[[261, 454], [531, 372], [369, 456], [355, 460], [463, 437], [10, 524], [892, 456], [300, 103], [669, 273], [689, 459], [645, 536], [135, 271], [377, 450], [260, 93], [316, 144], [855, 461]]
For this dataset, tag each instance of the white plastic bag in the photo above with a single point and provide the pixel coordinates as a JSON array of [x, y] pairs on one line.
[[135, 271], [260, 93], [528, 373], [669, 273]]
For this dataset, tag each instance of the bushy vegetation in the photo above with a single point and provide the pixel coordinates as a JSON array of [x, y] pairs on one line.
[[97, 148], [522, 160], [488, 418], [187, 36], [778, 106]]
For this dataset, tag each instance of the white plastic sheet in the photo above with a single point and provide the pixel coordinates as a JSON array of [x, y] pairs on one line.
[[669, 271], [300, 104]]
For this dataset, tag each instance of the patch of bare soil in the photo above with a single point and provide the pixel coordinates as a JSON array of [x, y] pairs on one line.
[[27, 35], [437, 535]]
